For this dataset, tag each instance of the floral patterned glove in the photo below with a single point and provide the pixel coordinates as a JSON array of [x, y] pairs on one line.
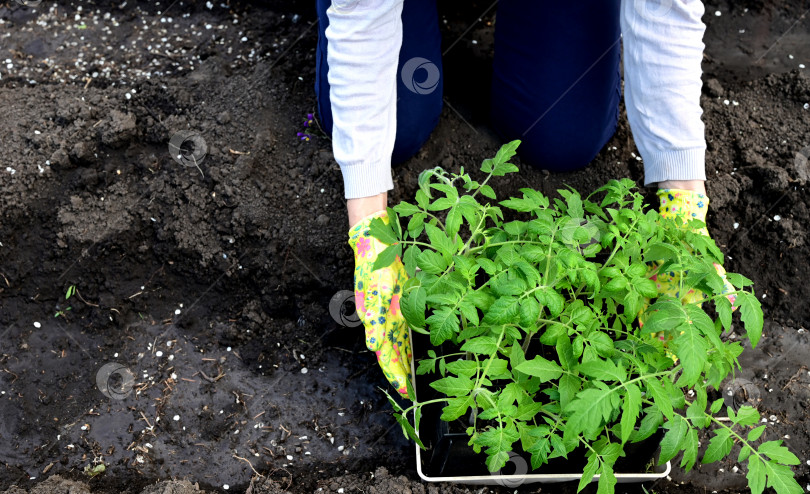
[[684, 205], [376, 295]]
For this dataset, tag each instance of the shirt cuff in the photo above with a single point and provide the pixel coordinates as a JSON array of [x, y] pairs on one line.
[[367, 179], [680, 164]]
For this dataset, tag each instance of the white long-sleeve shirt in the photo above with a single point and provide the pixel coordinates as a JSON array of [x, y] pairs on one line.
[[663, 49]]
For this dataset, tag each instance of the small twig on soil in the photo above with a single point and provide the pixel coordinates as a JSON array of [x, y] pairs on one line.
[[212, 379], [289, 482], [281, 426], [151, 427], [232, 151], [249, 463], [83, 300], [6, 279], [13, 374], [795, 377]]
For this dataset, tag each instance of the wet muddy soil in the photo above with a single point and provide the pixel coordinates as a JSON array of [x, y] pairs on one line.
[[196, 351]]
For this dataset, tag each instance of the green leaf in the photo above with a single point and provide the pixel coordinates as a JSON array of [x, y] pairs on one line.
[[416, 224], [589, 471], [465, 368], [607, 480], [690, 449], [487, 191], [664, 315], [719, 446], [781, 479], [546, 370], [408, 429], [691, 349], [443, 325], [453, 221], [777, 452], [755, 433], [756, 475], [645, 287], [453, 386], [717, 405], [616, 284], [382, 231], [456, 408], [406, 209], [632, 406], [660, 397], [489, 266], [747, 415], [591, 409], [723, 307], [673, 439], [409, 260], [431, 262], [482, 345], [568, 387], [439, 240], [503, 311], [387, 256], [604, 370], [413, 306], [602, 343], [738, 280], [660, 252], [751, 315], [529, 311]]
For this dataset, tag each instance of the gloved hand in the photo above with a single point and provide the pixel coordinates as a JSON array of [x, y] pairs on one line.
[[377, 294], [683, 206]]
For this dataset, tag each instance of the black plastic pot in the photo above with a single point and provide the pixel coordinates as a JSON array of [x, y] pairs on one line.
[[449, 456]]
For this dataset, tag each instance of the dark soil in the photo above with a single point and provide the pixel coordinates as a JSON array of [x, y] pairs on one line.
[[210, 284]]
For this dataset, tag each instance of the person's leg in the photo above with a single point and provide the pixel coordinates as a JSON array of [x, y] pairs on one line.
[[419, 77], [556, 79]]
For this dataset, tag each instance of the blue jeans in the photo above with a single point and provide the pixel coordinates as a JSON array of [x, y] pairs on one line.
[[556, 79]]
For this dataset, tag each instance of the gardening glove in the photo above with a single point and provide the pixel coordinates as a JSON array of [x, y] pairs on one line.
[[377, 294], [683, 206]]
